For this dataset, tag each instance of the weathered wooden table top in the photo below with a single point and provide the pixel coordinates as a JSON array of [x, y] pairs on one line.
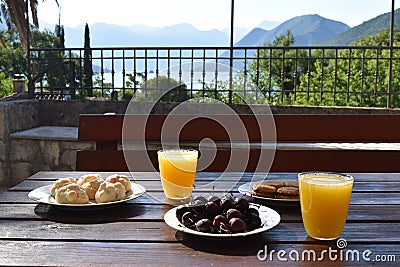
[[134, 233]]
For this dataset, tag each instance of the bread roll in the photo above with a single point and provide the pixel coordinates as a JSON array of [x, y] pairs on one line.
[[91, 187], [109, 192], [71, 194], [88, 178], [61, 183], [118, 178]]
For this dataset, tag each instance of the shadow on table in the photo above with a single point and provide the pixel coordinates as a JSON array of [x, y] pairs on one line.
[[87, 216], [238, 246]]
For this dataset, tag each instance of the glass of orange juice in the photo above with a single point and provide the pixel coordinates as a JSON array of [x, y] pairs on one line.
[[177, 171], [324, 201]]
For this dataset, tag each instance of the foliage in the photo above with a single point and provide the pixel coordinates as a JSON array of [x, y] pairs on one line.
[[50, 66], [59, 31], [87, 64], [133, 81], [6, 85], [328, 77], [162, 89], [13, 14], [12, 56], [355, 82], [276, 70], [101, 89]]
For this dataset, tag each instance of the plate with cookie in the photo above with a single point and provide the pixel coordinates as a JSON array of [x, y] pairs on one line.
[[279, 191], [90, 191]]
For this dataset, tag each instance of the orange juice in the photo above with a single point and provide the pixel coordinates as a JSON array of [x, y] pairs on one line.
[[324, 200], [177, 171]]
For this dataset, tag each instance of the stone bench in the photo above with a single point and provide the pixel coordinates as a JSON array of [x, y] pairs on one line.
[[43, 148]]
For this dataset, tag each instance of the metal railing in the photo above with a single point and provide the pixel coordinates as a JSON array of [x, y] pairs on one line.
[[340, 76]]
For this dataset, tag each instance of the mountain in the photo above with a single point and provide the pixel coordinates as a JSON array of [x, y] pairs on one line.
[[108, 35], [307, 30], [239, 32], [370, 27], [252, 38], [268, 25]]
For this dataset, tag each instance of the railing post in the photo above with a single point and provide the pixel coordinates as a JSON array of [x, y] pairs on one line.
[[231, 52], [389, 89]]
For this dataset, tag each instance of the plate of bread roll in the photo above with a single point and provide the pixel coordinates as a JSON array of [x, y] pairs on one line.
[[89, 191], [283, 191]]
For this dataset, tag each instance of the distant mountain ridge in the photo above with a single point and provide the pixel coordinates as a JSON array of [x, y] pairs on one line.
[[108, 35], [370, 27], [267, 25], [307, 30]]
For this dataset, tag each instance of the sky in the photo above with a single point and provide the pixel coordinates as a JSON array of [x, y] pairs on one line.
[[206, 14]]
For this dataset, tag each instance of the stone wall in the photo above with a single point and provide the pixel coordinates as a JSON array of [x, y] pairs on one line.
[[3, 147], [28, 156]]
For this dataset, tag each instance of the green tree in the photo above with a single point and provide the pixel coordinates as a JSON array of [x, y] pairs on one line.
[[87, 63], [276, 70], [12, 12], [6, 85], [360, 81], [59, 31], [51, 67], [12, 56], [133, 83], [162, 89]]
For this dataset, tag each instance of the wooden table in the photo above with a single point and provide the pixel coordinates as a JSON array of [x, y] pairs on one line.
[[134, 233]]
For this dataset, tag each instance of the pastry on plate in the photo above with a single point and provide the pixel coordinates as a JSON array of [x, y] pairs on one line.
[[109, 192], [88, 178], [118, 178], [61, 183], [71, 194], [91, 187], [287, 192]]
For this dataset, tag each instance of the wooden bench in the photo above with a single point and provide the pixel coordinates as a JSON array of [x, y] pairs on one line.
[[342, 143]]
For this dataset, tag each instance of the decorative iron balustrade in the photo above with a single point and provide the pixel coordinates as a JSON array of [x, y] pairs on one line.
[[318, 75]]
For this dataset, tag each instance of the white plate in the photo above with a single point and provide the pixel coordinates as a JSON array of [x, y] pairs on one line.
[[247, 189], [269, 219], [43, 195]]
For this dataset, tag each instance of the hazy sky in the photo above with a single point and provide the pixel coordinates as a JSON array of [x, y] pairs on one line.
[[207, 14]]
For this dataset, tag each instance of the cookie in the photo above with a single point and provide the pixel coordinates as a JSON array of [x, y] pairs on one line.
[[286, 197], [275, 183], [287, 193], [264, 190], [292, 184]]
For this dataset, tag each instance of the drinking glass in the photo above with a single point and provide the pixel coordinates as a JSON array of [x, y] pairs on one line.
[[177, 171], [324, 201]]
